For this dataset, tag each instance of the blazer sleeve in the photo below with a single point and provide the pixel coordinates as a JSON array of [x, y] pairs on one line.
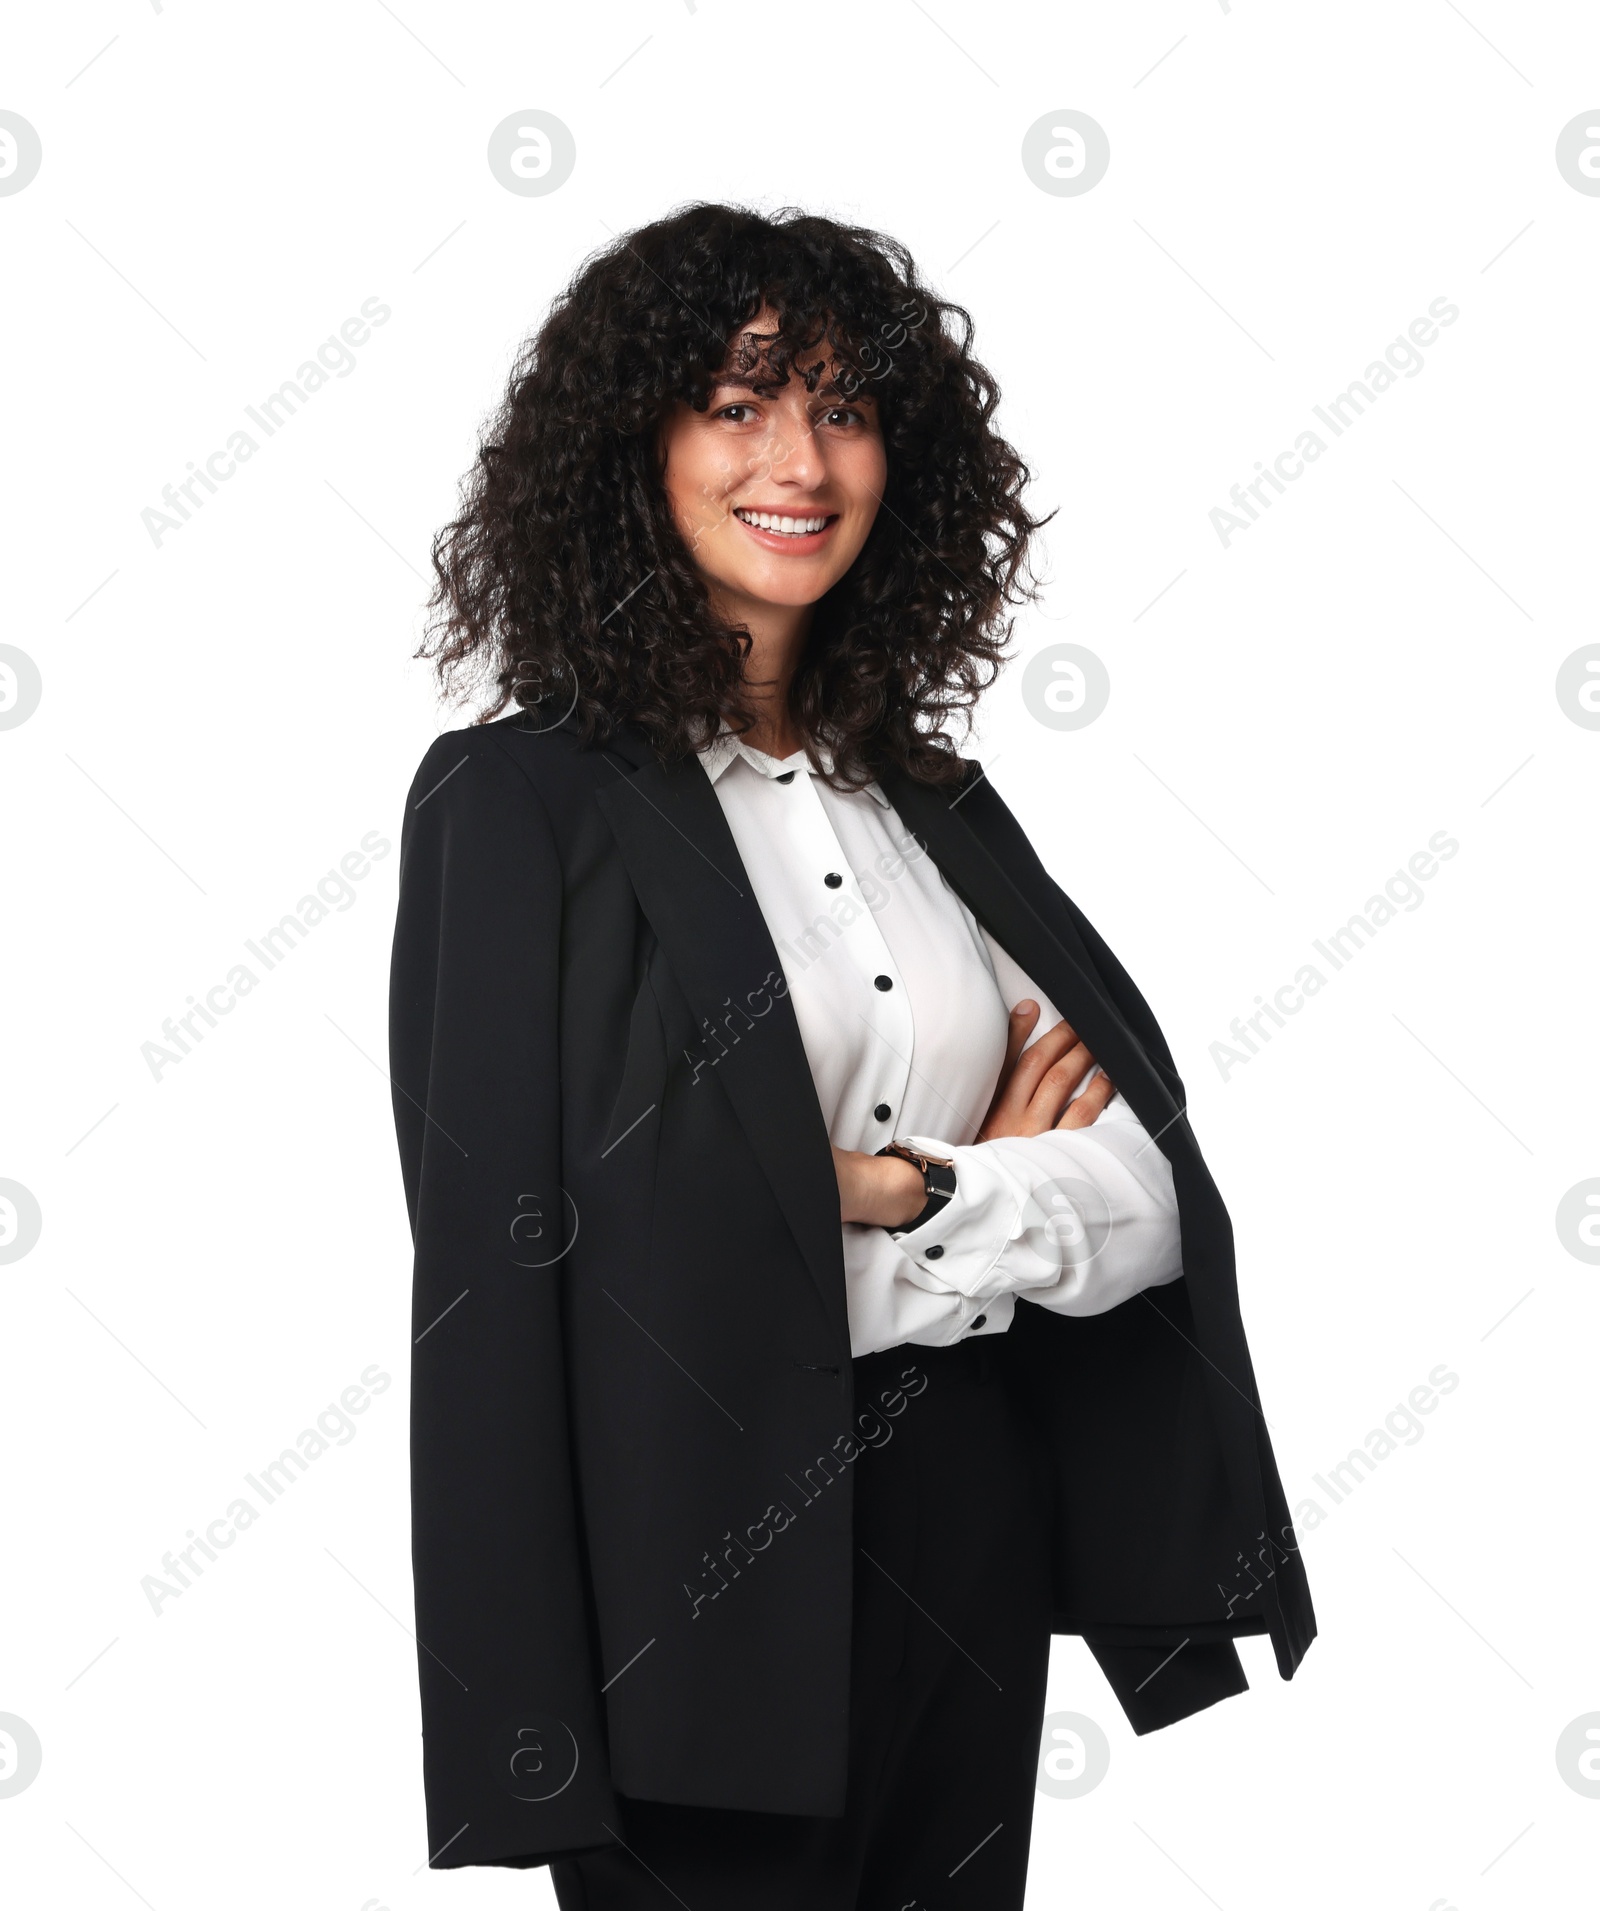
[[513, 1754], [1156, 1685]]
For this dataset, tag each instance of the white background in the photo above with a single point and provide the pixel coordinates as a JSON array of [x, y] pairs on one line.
[[224, 717]]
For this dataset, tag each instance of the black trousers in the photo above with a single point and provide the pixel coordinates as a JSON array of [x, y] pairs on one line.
[[949, 1654]]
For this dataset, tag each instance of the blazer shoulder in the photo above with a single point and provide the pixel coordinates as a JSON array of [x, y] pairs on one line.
[[978, 795], [500, 762]]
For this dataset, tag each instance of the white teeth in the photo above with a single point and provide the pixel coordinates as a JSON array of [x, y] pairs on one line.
[[785, 527]]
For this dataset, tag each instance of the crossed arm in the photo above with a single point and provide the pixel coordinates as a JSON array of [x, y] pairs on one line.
[[1035, 1092]]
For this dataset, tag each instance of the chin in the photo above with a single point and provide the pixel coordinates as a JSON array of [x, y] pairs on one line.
[[789, 591]]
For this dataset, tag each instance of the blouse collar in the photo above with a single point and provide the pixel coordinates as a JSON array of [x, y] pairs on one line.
[[726, 746]]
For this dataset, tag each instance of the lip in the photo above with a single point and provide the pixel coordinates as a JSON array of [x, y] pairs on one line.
[[779, 541]]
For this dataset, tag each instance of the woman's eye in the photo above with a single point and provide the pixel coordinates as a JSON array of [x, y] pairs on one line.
[[746, 413], [843, 415]]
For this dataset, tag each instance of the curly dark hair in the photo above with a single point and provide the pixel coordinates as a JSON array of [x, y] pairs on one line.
[[564, 580]]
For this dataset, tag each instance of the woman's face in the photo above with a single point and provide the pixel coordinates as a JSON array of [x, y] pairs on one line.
[[774, 495]]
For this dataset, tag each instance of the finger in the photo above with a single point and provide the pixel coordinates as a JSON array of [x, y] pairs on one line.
[[1010, 1111], [1090, 1104], [1028, 1106], [1020, 1025], [1056, 1087], [1035, 1062], [1024, 1018]]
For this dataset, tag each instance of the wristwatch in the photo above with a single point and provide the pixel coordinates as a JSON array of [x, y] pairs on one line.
[[938, 1181]]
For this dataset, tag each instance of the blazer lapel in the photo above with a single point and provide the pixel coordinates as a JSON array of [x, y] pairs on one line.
[[690, 881], [1013, 904]]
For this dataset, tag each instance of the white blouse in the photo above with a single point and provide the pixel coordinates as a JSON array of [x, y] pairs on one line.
[[902, 1000]]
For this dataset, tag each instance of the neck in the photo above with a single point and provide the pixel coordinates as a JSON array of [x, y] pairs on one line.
[[778, 635]]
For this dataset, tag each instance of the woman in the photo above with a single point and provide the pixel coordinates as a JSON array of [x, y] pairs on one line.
[[806, 1328]]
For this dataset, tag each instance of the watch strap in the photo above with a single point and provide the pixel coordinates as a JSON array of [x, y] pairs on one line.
[[938, 1182]]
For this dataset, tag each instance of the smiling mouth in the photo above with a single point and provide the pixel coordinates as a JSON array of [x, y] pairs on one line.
[[779, 524]]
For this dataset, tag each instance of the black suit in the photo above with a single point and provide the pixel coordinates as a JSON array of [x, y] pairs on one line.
[[631, 1325]]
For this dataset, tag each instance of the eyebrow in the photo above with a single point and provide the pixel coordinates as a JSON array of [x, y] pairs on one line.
[[731, 381]]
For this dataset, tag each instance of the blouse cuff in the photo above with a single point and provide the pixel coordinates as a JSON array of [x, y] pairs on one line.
[[955, 1251], [1077, 1220]]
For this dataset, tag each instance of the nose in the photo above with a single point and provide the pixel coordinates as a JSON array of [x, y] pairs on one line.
[[794, 450]]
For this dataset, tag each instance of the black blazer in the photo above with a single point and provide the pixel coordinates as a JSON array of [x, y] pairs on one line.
[[632, 1387]]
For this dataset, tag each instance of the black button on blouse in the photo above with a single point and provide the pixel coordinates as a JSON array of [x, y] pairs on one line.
[[833, 879], [882, 1112], [882, 982]]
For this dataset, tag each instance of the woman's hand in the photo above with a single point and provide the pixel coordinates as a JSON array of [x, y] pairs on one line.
[[1035, 1083], [880, 1190]]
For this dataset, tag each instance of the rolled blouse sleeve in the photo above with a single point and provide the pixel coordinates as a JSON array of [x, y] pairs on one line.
[[1076, 1219]]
